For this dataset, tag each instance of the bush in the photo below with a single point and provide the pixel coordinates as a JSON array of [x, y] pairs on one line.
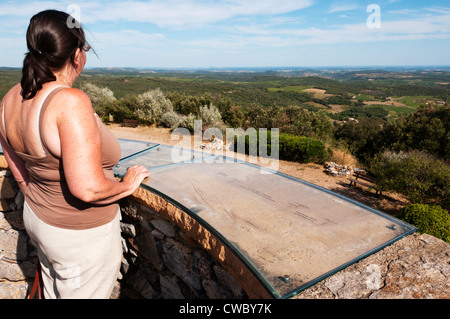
[[187, 121], [257, 117], [418, 175], [427, 129], [362, 136], [291, 147], [303, 149], [119, 111], [296, 120], [429, 219], [210, 116], [233, 116], [171, 120], [151, 105], [100, 98], [97, 94]]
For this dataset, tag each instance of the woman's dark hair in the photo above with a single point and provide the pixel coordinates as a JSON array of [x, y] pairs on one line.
[[51, 43]]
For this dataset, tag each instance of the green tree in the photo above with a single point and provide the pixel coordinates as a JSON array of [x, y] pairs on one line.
[[427, 129], [429, 219], [362, 136], [420, 176], [257, 117], [296, 120], [233, 116]]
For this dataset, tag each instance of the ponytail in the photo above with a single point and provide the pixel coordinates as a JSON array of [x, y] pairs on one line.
[[35, 73], [51, 44]]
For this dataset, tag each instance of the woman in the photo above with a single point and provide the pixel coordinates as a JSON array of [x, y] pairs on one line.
[[62, 157]]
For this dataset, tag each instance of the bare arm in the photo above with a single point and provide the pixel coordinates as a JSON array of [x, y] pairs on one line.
[[16, 165], [81, 154]]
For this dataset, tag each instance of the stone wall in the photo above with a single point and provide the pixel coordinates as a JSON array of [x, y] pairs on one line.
[[161, 261], [169, 255], [17, 257]]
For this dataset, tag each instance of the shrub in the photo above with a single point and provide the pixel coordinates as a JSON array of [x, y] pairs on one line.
[[100, 97], [258, 117], [151, 105], [362, 136], [429, 219], [291, 147], [418, 175], [233, 116], [303, 149], [187, 121], [296, 120], [210, 115], [97, 94], [427, 129], [119, 111], [171, 120]]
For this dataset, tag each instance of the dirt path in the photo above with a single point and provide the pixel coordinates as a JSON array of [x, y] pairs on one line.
[[313, 173]]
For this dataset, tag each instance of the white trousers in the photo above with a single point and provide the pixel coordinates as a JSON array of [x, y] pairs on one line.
[[76, 264]]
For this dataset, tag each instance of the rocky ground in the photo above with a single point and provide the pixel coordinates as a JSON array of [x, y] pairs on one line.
[[415, 267]]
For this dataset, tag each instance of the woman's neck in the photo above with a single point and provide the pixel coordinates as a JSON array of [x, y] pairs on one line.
[[67, 75]]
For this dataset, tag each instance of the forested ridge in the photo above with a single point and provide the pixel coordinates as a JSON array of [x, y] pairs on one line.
[[395, 122]]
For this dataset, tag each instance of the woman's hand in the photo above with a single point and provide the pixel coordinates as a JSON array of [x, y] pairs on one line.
[[135, 176]]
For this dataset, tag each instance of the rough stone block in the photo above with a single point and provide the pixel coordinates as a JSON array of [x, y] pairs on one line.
[[228, 281], [141, 285], [11, 271], [146, 247], [13, 290], [14, 245], [170, 287], [178, 258], [164, 227], [7, 188], [128, 229], [215, 291]]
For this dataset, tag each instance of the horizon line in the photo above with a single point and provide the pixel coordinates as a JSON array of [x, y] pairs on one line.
[[255, 67]]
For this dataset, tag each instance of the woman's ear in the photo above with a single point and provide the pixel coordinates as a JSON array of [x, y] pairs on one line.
[[79, 60]]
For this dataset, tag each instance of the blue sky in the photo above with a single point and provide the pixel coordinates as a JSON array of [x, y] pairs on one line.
[[250, 33]]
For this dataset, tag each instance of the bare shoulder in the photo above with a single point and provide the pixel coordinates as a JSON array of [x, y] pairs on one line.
[[72, 96], [13, 93], [69, 100]]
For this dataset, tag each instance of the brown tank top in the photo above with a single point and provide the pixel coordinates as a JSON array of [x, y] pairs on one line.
[[48, 194]]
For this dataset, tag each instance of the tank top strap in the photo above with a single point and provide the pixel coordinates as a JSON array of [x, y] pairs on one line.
[[41, 111], [5, 135], [3, 118]]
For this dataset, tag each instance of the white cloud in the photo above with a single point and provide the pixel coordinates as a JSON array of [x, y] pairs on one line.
[[25, 9], [186, 13], [343, 6], [439, 10], [404, 11], [248, 36]]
